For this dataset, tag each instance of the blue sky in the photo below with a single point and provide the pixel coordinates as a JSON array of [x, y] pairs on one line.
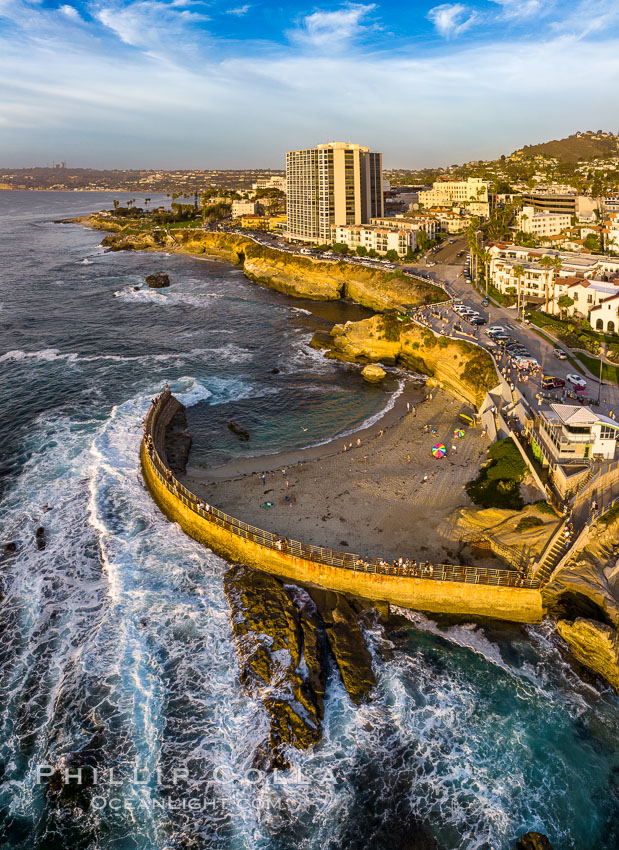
[[193, 83]]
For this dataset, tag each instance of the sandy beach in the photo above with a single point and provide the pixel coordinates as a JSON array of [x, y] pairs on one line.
[[386, 497]]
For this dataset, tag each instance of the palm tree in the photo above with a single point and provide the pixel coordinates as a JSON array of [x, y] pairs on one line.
[[547, 263], [557, 265], [518, 271], [486, 257]]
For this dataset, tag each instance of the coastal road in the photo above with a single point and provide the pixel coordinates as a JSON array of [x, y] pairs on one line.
[[452, 275]]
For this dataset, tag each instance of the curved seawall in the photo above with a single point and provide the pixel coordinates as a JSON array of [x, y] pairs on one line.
[[470, 591]]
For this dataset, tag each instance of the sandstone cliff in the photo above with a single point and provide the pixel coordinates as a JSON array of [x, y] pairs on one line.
[[514, 529], [303, 277], [586, 584], [595, 645], [460, 367]]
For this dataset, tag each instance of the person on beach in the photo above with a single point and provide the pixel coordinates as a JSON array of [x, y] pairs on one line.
[[408, 407], [381, 432], [358, 441], [284, 473], [263, 478]]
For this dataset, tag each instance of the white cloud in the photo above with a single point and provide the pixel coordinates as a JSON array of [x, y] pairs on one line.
[[82, 93], [239, 11], [70, 12], [588, 17], [152, 25], [451, 19], [328, 30], [522, 8]]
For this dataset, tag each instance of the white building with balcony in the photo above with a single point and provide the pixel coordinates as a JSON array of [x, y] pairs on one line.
[[372, 237]]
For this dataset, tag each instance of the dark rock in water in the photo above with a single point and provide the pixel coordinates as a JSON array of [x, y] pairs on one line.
[[158, 281], [136, 288], [237, 429], [178, 441], [346, 641], [75, 794], [280, 657], [274, 371], [533, 841], [10, 548], [40, 537]]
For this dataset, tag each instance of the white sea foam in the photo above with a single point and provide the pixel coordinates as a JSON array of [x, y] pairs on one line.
[[229, 353]]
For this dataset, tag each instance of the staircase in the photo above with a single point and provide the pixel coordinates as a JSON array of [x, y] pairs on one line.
[[551, 555]]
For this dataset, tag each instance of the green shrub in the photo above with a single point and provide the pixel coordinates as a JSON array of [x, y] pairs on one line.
[[544, 507], [496, 486], [610, 516], [391, 327], [528, 522]]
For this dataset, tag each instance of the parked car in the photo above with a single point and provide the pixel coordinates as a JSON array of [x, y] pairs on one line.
[[559, 353], [576, 380], [497, 328], [549, 382], [485, 302], [478, 320]]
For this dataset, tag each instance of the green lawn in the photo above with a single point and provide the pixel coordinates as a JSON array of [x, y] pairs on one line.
[[609, 373]]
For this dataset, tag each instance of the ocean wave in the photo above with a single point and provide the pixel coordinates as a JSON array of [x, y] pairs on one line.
[[46, 355], [229, 353]]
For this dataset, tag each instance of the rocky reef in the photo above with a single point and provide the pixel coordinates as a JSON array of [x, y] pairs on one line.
[[533, 841], [283, 633], [460, 367], [158, 280], [595, 645]]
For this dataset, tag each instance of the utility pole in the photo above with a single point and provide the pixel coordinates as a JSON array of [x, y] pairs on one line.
[[600, 383]]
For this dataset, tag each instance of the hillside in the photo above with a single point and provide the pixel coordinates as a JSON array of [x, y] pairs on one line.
[[577, 147]]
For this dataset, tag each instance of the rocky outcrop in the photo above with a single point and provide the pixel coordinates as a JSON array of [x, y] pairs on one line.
[[329, 280], [280, 658], [462, 368], [303, 277], [178, 441], [586, 585], [533, 841], [158, 281], [594, 644], [282, 632], [513, 528], [340, 617], [372, 373], [238, 430]]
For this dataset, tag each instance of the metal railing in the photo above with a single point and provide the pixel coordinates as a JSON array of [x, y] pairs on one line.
[[320, 554]]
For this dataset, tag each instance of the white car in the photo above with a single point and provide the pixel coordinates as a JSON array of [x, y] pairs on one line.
[[572, 378], [497, 328]]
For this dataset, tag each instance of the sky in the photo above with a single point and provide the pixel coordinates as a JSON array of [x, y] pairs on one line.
[[200, 84]]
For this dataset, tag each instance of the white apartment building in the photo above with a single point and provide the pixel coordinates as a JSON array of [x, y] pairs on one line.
[[542, 223], [471, 194], [372, 236], [430, 226], [586, 293], [537, 283], [241, 208], [277, 181], [336, 183]]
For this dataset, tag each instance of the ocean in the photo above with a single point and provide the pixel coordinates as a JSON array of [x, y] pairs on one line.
[[116, 638]]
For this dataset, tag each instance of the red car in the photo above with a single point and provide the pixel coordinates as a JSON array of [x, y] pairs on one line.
[[550, 383]]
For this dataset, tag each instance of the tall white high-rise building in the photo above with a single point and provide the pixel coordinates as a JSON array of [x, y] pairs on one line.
[[335, 183]]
